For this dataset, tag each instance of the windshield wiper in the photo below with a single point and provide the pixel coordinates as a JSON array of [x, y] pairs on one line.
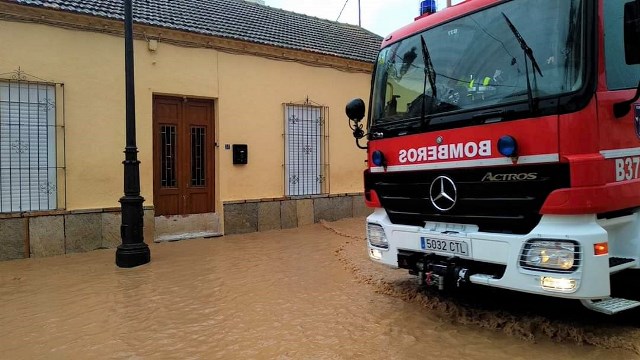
[[528, 54], [429, 73]]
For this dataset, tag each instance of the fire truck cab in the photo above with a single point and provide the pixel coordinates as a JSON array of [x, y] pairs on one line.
[[503, 147]]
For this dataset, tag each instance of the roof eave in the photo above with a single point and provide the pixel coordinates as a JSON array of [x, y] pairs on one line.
[[62, 18]]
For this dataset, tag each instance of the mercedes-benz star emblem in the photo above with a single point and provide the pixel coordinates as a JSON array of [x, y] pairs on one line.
[[443, 193]]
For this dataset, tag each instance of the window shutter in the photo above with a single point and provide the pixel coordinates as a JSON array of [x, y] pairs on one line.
[[28, 177]]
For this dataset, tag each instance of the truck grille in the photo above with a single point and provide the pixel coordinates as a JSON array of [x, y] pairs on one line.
[[497, 199]]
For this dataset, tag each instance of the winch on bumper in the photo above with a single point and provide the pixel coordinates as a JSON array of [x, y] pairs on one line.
[[551, 260], [444, 272]]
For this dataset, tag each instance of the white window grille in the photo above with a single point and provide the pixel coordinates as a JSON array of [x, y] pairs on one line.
[[306, 151], [28, 135]]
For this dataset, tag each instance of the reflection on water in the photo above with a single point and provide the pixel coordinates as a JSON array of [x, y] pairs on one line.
[[272, 295]]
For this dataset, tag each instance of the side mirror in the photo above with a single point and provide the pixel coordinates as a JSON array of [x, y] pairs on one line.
[[632, 32], [355, 110]]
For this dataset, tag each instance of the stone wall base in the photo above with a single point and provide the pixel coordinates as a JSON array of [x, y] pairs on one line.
[[242, 217], [59, 233], [66, 232]]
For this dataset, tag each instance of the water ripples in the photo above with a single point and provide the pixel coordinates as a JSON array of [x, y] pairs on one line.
[[271, 295]]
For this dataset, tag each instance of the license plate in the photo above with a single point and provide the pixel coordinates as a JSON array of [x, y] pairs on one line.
[[446, 246]]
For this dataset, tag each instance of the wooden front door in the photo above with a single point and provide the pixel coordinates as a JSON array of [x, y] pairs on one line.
[[183, 156]]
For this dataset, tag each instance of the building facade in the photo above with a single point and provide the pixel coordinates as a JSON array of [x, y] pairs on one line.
[[240, 120]]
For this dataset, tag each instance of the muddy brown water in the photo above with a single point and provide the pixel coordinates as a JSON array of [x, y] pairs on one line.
[[307, 293]]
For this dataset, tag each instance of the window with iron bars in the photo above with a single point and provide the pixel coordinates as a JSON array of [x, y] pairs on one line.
[[31, 170], [306, 138]]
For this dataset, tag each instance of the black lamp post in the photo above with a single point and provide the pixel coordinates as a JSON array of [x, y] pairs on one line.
[[133, 251]]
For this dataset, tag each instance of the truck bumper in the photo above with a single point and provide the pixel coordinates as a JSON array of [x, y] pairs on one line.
[[589, 279]]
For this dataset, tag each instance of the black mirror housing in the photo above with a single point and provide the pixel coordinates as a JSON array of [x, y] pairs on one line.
[[632, 32], [355, 110]]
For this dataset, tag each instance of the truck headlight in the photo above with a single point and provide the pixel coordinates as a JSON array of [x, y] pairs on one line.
[[554, 255], [376, 236]]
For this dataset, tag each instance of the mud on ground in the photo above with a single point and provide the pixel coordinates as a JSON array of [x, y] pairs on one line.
[[528, 317]]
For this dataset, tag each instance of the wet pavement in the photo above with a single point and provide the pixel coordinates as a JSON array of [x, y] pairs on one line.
[[306, 293]]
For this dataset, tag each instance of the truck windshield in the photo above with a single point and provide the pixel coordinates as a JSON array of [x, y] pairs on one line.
[[477, 62]]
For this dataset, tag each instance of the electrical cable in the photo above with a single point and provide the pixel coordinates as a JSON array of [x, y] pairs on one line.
[[343, 6]]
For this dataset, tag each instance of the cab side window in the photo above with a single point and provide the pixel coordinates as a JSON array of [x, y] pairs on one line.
[[620, 75]]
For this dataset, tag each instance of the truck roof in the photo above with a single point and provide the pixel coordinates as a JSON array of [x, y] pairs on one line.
[[424, 22]]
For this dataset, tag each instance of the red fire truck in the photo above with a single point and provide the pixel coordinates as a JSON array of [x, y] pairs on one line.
[[503, 147]]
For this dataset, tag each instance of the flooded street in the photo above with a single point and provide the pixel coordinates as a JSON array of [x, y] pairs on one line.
[[306, 293]]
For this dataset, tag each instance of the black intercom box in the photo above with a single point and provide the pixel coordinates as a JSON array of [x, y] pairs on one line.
[[240, 154]]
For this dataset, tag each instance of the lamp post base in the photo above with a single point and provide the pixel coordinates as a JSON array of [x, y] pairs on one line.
[[132, 255]]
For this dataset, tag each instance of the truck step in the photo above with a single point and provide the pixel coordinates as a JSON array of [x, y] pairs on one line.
[[619, 263], [610, 305]]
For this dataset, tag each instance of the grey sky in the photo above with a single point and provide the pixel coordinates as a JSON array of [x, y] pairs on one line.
[[379, 16]]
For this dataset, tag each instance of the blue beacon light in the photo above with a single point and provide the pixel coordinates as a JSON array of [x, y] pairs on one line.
[[427, 7], [377, 157], [508, 146]]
